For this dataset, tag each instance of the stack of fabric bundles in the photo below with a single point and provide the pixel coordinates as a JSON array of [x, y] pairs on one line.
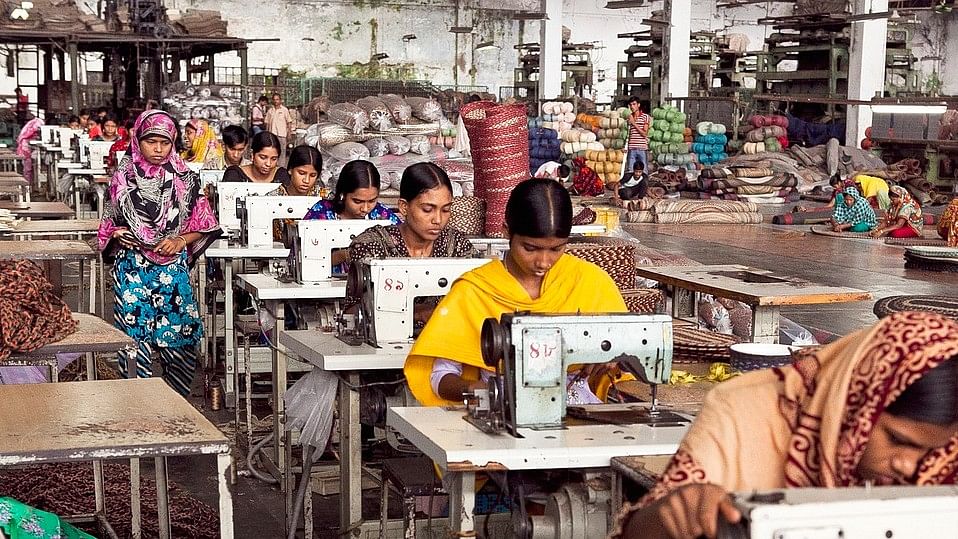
[[667, 138], [544, 145], [446, 139], [756, 184], [577, 141], [706, 212], [557, 115], [606, 163], [768, 134], [709, 144], [613, 129]]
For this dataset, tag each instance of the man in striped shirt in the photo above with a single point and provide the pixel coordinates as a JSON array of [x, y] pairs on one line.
[[638, 146]]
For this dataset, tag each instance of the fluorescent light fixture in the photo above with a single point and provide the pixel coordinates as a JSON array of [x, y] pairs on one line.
[[485, 45], [909, 109]]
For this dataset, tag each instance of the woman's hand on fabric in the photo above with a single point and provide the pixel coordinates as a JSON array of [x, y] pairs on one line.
[[876, 233], [126, 238], [693, 511], [170, 246]]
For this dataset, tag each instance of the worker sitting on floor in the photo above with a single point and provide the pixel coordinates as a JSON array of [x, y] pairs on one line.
[[874, 189], [879, 406], [852, 212], [904, 218], [535, 275]]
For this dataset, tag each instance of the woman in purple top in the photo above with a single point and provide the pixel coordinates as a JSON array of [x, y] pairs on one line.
[[155, 225], [357, 197]]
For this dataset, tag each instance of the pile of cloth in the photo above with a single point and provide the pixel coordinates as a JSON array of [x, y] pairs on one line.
[[666, 180], [31, 314], [766, 134], [199, 22], [762, 185], [705, 212], [544, 145]]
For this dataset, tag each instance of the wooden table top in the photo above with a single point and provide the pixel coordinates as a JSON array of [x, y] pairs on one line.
[[38, 209], [78, 421], [13, 181], [753, 286], [56, 226], [46, 250], [93, 334]]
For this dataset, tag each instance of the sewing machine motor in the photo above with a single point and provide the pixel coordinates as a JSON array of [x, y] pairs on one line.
[[532, 352]]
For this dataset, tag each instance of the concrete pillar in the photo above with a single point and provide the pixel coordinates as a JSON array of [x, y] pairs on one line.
[[550, 55], [675, 50], [866, 66]]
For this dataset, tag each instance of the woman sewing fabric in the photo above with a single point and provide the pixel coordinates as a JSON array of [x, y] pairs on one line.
[[156, 223], [852, 212], [904, 218], [357, 197], [878, 406], [535, 275], [265, 148], [204, 149], [425, 204]]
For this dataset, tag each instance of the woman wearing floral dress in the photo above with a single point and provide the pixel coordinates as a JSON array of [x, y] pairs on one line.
[[155, 225]]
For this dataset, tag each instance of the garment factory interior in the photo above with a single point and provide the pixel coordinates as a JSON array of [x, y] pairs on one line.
[[542, 269]]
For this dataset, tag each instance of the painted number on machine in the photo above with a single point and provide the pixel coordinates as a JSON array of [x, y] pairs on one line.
[[392, 290], [543, 357]]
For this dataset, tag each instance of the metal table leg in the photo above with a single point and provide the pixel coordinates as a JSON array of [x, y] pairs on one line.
[[350, 452], [93, 285], [280, 439], [162, 498], [225, 495], [765, 323], [462, 502], [204, 310], [229, 341], [135, 509]]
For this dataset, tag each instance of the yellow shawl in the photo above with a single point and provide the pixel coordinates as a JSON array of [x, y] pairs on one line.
[[572, 285]]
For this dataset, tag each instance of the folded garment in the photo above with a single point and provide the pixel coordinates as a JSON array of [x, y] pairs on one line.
[[695, 206], [745, 218], [716, 173]]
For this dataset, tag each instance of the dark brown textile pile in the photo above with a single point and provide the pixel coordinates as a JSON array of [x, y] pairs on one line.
[[67, 489], [31, 315]]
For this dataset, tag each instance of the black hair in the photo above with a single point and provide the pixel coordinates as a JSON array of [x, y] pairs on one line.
[[933, 398], [265, 139], [835, 180], [357, 174], [634, 99], [539, 208], [18, 90], [422, 177], [262, 98], [233, 135], [473, 98], [639, 165], [94, 119], [275, 94], [101, 110], [110, 118], [73, 118], [304, 155], [564, 171]]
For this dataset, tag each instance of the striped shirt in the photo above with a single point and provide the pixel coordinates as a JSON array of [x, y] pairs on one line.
[[638, 141]]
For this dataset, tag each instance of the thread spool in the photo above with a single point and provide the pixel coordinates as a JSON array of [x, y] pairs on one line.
[[216, 394]]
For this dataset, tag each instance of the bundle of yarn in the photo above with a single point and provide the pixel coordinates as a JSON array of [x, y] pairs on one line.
[[667, 138], [709, 143], [446, 139], [613, 129], [606, 163], [768, 134], [577, 141], [557, 115], [544, 145]]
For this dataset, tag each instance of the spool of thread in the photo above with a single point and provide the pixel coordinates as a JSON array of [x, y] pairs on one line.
[[216, 394]]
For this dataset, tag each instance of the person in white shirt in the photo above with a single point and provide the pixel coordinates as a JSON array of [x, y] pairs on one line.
[[279, 121], [634, 185], [553, 170]]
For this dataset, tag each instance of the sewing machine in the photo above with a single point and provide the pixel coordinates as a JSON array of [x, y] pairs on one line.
[[65, 136], [902, 512], [94, 152], [228, 194], [312, 244], [388, 289], [532, 353], [210, 177], [49, 134], [256, 215]]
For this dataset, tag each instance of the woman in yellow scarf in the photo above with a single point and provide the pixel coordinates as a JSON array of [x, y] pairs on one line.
[[535, 275], [203, 146]]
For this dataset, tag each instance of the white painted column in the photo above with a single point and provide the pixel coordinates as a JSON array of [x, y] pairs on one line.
[[866, 66], [675, 50], [550, 55]]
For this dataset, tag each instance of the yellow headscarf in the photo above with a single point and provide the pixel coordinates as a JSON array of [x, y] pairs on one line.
[[572, 285], [205, 148]]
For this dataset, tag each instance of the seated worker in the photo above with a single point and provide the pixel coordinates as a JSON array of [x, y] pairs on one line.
[[74, 123], [264, 167], [535, 275], [904, 218], [634, 185], [874, 189], [879, 406], [553, 170], [203, 148], [948, 224], [109, 131], [304, 166], [235, 141], [425, 204], [357, 197], [853, 212]]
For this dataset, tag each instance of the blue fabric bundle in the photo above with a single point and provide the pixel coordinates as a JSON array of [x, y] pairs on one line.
[[810, 134], [710, 148], [544, 145], [534, 123]]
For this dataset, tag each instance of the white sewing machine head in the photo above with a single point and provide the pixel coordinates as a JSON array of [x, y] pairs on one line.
[[49, 134], [256, 215], [902, 512], [226, 199], [66, 135], [388, 288], [210, 177], [532, 352], [312, 243], [94, 152]]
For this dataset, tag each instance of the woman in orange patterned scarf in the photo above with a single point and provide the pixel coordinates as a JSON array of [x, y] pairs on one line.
[[948, 224], [879, 406]]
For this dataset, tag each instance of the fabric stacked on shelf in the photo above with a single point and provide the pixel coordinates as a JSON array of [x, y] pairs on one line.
[[709, 143], [667, 138], [544, 145], [768, 134], [706, 212]]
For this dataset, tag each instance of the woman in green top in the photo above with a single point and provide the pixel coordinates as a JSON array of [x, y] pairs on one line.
[[20, 521]]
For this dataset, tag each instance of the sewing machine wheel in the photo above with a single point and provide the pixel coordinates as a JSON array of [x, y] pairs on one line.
[[494, 342]]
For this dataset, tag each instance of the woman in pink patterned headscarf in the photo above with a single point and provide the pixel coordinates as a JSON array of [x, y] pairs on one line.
[[28, 133], [156, 224]]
